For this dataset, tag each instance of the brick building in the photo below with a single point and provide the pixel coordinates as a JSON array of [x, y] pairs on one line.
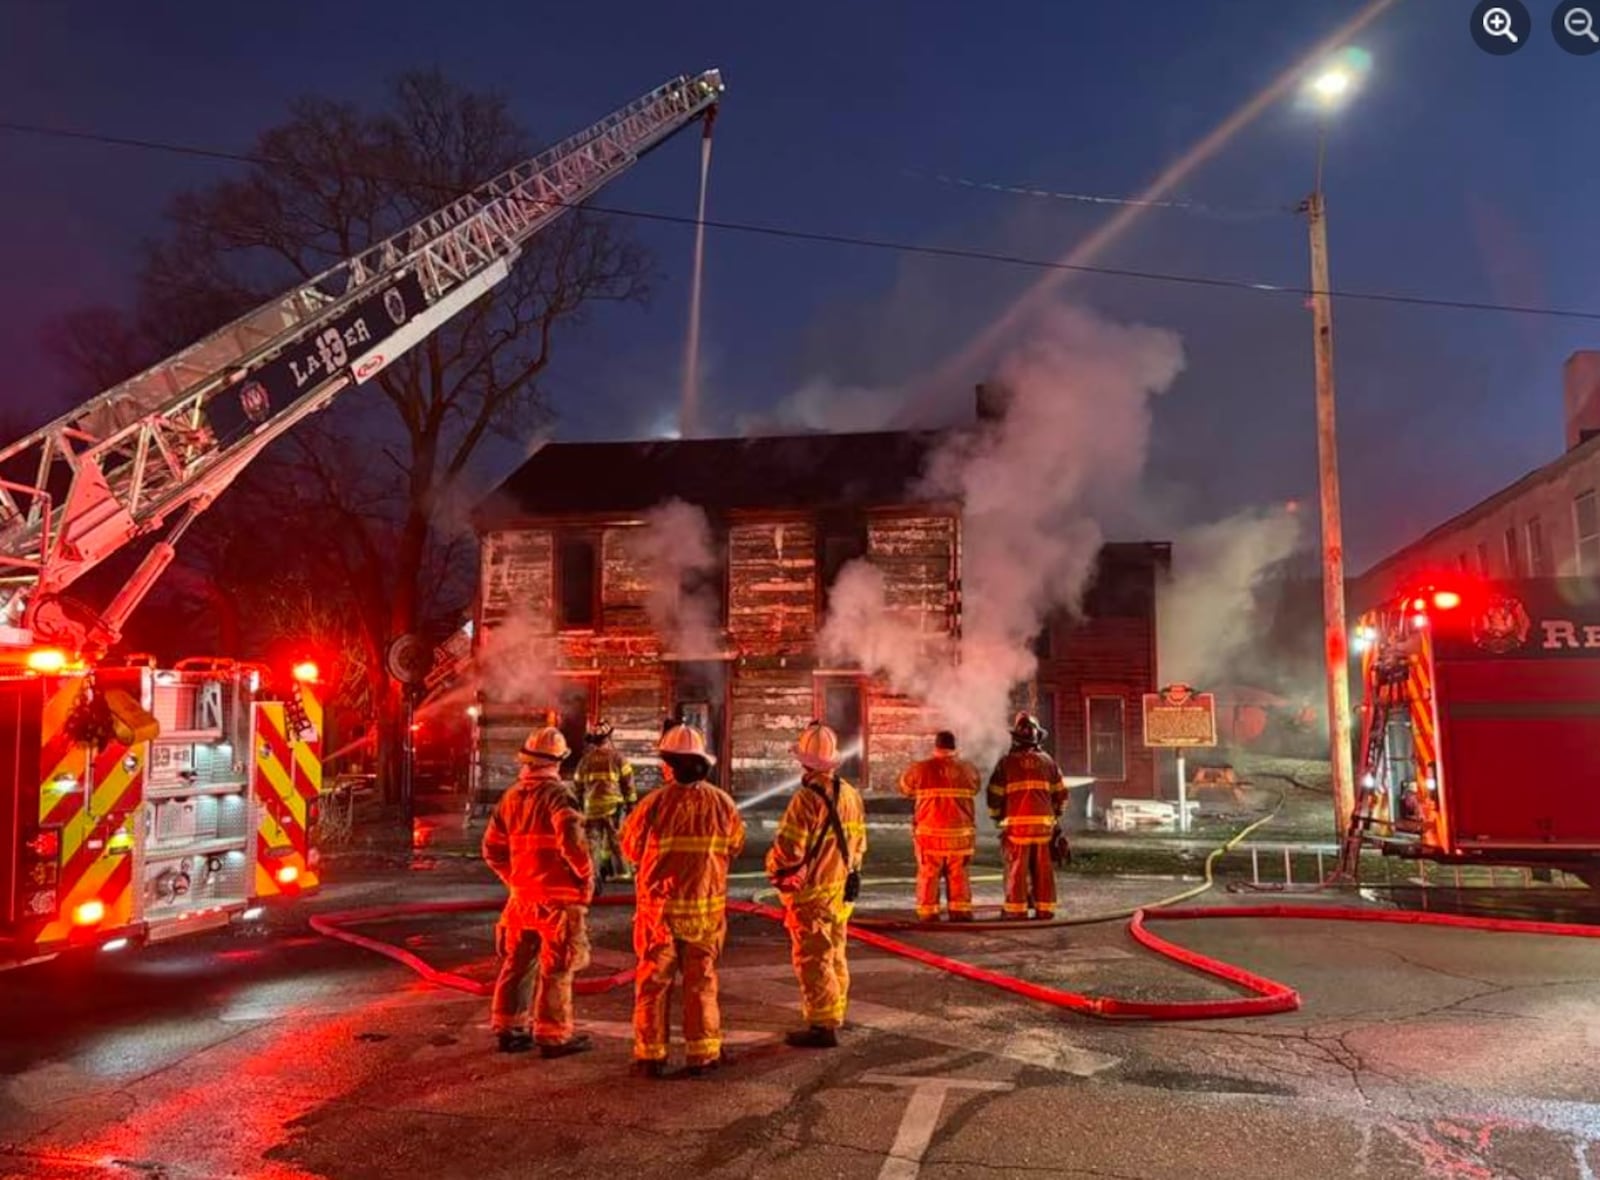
[[1546, 524], [559, 564]]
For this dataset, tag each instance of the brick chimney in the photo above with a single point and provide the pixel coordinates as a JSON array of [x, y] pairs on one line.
[[1581, 390], [993, 400]]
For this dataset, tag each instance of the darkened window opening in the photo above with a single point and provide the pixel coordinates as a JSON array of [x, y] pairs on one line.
[[840, 540], [710, 584], [577, 568], [1043, 644], [1107, 739]]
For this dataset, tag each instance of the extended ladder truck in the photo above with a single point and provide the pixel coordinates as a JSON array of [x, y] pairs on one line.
[[1481, 725], [139, 803]]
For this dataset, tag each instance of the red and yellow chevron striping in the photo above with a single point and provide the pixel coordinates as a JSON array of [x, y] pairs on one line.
[[92, 798], [286, 776]]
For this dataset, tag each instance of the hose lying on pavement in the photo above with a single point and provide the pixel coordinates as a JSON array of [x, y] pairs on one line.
[[1268, 995]]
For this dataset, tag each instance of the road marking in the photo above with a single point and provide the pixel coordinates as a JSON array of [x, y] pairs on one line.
[[921, 1119]]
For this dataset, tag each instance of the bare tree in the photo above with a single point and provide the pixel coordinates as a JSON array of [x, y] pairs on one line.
[[357, 499]]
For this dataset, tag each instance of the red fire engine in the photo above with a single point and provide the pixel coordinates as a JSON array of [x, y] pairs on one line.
[[1481, 725], [137, 804]]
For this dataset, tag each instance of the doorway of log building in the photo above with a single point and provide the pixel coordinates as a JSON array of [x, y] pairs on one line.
[[576, 700], [840, 705], [699, 691]]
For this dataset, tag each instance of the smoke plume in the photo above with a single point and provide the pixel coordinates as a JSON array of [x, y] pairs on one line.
[[679, 554], [517, 661], [1208, 615], [1070, 446]]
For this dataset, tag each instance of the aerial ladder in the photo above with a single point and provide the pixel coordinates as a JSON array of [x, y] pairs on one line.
[[150, 454]]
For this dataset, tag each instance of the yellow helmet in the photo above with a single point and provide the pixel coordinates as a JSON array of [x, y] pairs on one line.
[[548, 744], [818, 747], [687, 741]]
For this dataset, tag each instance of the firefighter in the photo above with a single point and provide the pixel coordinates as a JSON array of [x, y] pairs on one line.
[[944, 828], [534, 843], [682, 838], [815, 863], [605, 779], [1026, 798]]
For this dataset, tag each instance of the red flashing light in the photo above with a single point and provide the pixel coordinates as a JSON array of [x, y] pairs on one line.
[[89, 913], [307, 672], [288, 875], [47, 660], [1446, 599], [1419, 604]]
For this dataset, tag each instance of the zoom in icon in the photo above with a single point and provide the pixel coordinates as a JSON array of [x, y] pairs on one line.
[[1501, 27]]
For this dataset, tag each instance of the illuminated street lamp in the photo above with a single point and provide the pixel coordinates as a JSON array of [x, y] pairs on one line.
[[1326, 91]]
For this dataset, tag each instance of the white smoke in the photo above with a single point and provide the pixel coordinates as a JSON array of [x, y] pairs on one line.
[[1207, 611], [679, 554], [1072, 443], [821, 407], [517, 661]]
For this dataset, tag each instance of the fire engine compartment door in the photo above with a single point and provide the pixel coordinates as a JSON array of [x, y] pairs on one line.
[[1521, 745]]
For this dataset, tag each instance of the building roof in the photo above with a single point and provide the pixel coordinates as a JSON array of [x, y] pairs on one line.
[[1506, 495], [806, 471]]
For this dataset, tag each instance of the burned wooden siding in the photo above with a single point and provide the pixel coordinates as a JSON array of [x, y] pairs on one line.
[[772, 626], [918, 555], [517, 578], [772, 589], [515, 601]]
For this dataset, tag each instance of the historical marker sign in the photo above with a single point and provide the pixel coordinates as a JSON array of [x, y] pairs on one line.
[[1177, 716]]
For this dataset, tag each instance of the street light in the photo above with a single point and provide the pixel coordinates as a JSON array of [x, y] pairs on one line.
[[1327, 90]]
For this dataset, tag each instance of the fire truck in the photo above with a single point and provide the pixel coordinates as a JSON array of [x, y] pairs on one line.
[[1481, 725], [137, 802]]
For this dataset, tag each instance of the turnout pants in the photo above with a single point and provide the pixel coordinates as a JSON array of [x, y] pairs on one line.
[[1030, 878], [817, 948], [950, 867], [551, 942], [601, 833], [661, 958]]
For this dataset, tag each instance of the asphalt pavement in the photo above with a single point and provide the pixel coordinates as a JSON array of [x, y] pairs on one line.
[[275, 1052]]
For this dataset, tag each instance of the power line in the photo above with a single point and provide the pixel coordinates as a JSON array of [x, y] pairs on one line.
[[838, 239], [1020, 190]]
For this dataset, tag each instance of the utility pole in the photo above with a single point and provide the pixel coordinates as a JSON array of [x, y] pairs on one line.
[[1336, 650]]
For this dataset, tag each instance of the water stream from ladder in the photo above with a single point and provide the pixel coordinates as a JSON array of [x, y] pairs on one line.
[[689, 411]]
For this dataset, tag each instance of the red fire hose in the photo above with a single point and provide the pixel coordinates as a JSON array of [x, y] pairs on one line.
[[1268, 996]]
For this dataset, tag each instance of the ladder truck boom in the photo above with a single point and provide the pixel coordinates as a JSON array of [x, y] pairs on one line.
[[157, 449]]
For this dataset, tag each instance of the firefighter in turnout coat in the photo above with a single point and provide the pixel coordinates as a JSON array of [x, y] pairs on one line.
[[682, 838], [1026, 798], [605, 779], [815, 863], [944, 827], [534, 843]]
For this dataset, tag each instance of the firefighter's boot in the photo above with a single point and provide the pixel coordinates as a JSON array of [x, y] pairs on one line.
[[815, 1037], [648, 1069], [515, 1042], [565, 1048]]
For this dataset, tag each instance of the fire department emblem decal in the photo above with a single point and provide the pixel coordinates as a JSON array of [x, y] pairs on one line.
[[395, 304], [255, 401], [1502, 625]]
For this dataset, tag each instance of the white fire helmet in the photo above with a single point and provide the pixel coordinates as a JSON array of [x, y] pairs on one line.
[[544, 745], [686, 740], [818, 747]]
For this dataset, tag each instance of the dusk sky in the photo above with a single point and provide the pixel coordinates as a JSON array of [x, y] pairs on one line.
[[1453, 174]]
